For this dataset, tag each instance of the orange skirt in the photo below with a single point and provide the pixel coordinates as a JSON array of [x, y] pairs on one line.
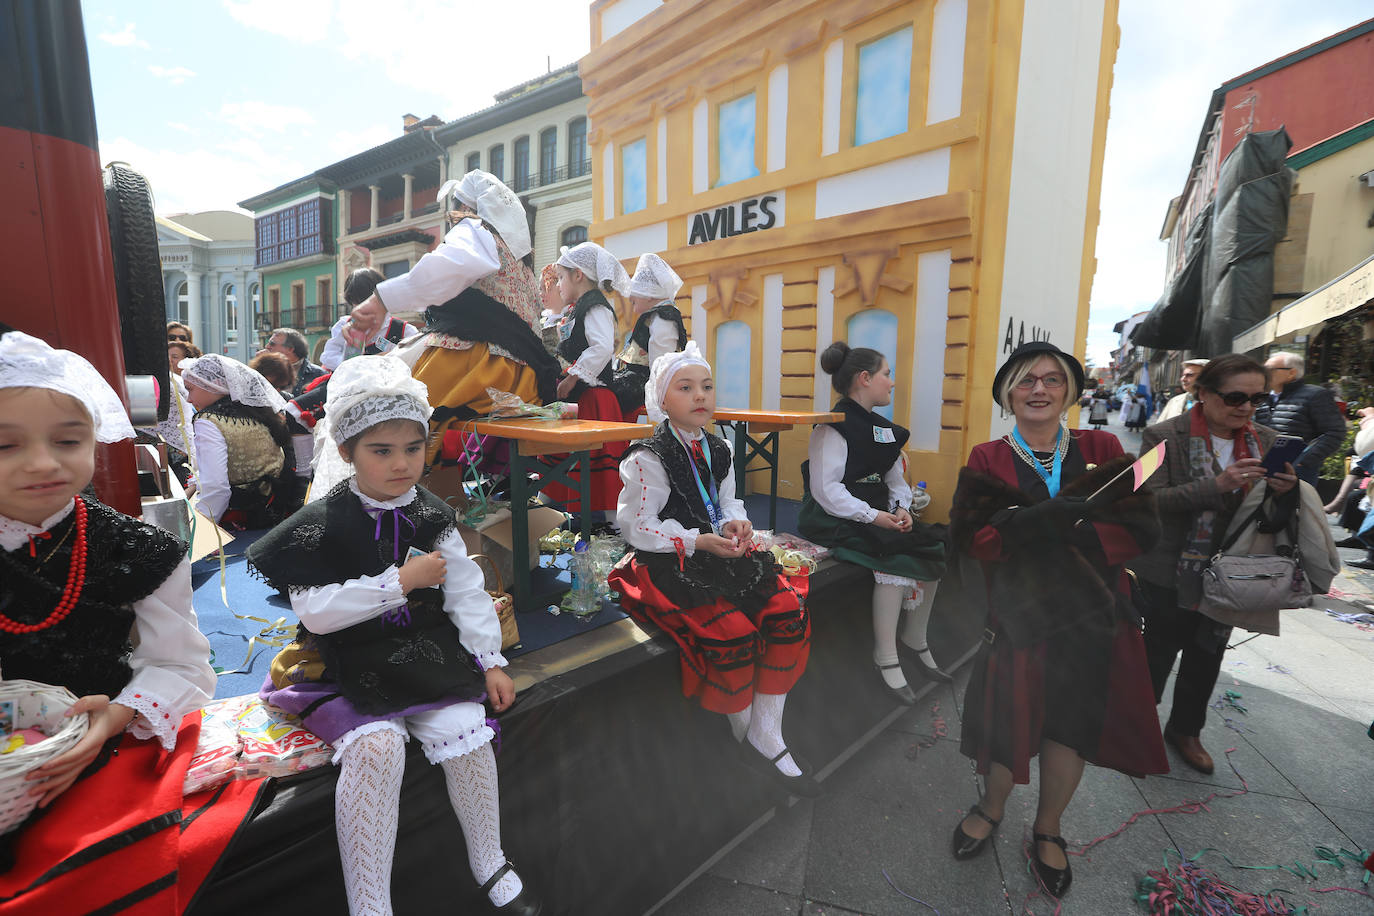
[[459, 379]]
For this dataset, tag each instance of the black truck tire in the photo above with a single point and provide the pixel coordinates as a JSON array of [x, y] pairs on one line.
[[138, 277]]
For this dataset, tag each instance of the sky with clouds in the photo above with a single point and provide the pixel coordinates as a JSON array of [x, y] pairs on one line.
[[218, 101]]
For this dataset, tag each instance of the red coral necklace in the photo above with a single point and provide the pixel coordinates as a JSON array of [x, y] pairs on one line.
[[76, 579]]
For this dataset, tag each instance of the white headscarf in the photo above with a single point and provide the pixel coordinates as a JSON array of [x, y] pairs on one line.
[[27, 362], [661, 376], [223, 375], [368, 390], [496, 204], [654, 278], [598, 264]]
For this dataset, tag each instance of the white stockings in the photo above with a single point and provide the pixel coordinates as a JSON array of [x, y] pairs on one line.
[[366, 802], [917, 618], [887, 608], [471, 783], [765, 730]]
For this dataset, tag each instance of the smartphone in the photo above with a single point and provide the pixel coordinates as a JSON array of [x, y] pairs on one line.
[[1285, 450]]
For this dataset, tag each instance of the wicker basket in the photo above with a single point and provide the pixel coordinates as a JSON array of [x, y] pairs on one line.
[[505, 605], [38, 706]]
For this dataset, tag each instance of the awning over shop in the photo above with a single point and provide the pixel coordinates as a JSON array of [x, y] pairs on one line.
[[1346, 293]]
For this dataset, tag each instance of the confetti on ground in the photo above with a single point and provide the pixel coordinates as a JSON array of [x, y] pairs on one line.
[[1361, 621], [1188, 889], [1279, 669], [938, 729], [892, 884]]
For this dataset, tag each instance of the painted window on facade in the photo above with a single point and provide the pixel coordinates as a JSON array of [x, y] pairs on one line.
[[578, 162], [324, 301], [877, 330], [474, 161], [548, 155], [733, 361], [496, 161], [573, 235], [520, 168], [183, 305], [231, 314], [634, 172], [735, 123], [295, 232], [884, 87]]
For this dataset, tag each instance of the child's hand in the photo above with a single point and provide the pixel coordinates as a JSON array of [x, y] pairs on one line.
[[903, 518], [500, 689], [566, 386], [890, 521], [742, 529], [722, 547], [57, 775], [423, 572]]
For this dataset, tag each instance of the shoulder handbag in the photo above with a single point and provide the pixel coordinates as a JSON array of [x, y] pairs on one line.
[[1252, 584]]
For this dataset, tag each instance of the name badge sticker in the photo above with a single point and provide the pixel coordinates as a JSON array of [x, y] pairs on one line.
[[883, 434]]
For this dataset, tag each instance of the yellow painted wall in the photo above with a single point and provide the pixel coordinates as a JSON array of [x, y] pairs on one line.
[[688, 52], [1339, 235]]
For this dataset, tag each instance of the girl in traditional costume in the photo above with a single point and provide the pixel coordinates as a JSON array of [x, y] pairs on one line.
[[741, 625], [586, 273], [857, 501], [389, 647], [245, 463], [1062, 671], [658, 330], [99, 603]]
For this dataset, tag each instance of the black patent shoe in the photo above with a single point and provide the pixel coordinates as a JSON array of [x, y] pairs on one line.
[[965, 846], [1056, 881], [904, 694], [525, 903], [926, 671], [804, 785]]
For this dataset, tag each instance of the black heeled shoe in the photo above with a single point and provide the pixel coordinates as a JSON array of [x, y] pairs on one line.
[[926, 671], [965, 846], [904, 694], [525, 903], [1055, 880], [804, 785]]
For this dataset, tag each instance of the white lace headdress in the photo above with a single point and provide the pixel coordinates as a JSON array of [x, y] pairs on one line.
[[654, 278], [367, 390], [661, 375], [598, 264], [223, 375], [27, 362], [496, 204]]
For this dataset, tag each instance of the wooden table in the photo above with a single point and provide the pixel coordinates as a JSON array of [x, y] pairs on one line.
[[574, 440], [770, 423]]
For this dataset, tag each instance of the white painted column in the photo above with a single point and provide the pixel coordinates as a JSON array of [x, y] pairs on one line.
[[825, 333], [376, 197], [244, 310], [772, 342], [928, 353], [410, 181], [193, 315]]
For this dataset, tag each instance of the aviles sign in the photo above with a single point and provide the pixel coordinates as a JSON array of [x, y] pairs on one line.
[[753, 215]]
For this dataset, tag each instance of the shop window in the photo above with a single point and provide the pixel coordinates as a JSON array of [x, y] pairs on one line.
[[474, 161], [634, 172], [573, 235], [734, 362], [884, 87], [735, 122], [877, 330], [496, 162]]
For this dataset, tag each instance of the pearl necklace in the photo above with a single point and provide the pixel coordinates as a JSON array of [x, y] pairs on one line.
[[1032, 459]]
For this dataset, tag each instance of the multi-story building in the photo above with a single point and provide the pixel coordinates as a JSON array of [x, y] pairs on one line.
[[209, 278], [918, 176]]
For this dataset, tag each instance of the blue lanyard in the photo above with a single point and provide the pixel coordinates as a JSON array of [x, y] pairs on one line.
[[1052, 478], [709, 497]]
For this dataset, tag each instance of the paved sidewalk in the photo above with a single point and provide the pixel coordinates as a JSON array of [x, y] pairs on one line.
[[1301, 748]]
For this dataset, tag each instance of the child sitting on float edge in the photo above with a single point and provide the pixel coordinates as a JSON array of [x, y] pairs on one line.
[[389, 646], [744, 633]]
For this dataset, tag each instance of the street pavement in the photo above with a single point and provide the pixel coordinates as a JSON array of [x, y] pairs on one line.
[[1298, 779]]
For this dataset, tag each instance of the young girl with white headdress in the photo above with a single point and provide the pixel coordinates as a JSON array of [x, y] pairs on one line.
[[657, 331], [377, 572], [741, 624], [91, 600], [245, 463], [586, 273]]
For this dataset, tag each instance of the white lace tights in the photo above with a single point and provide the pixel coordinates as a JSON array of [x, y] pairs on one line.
[[765, 730], [471, 783]]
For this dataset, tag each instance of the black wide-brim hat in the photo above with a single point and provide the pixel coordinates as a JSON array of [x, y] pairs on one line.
[[1033, 350]]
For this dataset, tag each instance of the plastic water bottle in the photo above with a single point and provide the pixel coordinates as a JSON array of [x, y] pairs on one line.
[[582, 599], [920, 499]]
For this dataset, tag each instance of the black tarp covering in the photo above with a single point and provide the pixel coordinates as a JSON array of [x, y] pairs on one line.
[[614, 789], [1227, 282]]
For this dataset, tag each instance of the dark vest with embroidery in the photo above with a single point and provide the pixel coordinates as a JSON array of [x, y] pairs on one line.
[[380, 665], [573, 348], [88, 652], [666, 311], [868, 459], [685, 505]]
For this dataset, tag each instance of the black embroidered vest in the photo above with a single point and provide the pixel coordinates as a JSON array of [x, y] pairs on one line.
[[88, 652], [868, 459], [573, 348], [685, 504], [668, 312], [381, 665]]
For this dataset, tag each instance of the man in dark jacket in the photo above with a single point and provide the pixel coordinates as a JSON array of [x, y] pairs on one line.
[[1306, 411], [292, 344]]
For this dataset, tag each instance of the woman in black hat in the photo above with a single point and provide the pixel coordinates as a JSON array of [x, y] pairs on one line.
[[1061, 674]]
